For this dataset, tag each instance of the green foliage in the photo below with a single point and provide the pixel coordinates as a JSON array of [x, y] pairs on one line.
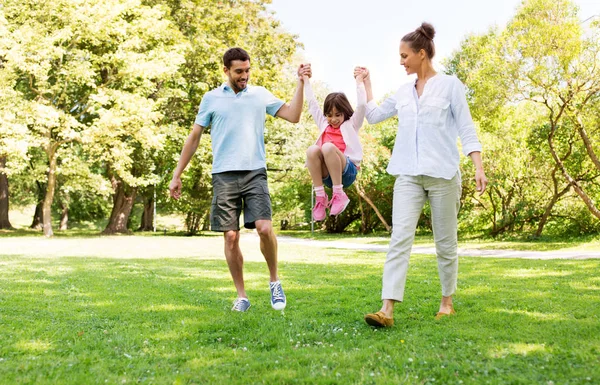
[[531, 87]]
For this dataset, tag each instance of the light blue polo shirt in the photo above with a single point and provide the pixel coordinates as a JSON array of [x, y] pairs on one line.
[[237, 126]]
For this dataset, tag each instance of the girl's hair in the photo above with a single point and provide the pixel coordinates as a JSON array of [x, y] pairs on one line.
[[340, 102], [422, 38]]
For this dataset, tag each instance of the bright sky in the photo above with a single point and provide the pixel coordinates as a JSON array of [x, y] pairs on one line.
[[339, 34]]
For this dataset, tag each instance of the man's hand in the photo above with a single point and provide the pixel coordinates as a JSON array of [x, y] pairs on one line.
[[363, 72], [304, 70], [175, 188]]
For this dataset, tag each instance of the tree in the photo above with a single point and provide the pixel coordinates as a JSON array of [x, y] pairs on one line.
[[529, 85], [80, 64], [212, 27], [13, 130], [554, 62]]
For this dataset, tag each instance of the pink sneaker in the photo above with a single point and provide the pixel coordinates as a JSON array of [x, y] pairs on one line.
[[338, 203], [320, 206]]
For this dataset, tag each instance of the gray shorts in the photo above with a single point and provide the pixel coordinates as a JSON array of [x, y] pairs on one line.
[[234, 191]]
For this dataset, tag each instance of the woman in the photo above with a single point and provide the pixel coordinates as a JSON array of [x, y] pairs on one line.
[[432, 112]]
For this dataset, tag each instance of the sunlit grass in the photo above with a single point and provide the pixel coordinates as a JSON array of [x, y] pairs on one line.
[[466, 241], [113, 318]]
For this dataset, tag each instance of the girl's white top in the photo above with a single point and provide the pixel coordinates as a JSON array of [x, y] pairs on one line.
[[349, 128], [428, 127]]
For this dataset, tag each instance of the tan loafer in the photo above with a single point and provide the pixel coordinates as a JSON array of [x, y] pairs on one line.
[[439, 315], [379, 320]]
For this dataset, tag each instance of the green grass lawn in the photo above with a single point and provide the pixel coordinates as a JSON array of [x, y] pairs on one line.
[[118, 320], [467, 241]]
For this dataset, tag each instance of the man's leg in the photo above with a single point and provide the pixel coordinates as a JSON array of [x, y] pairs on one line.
[[268, 245], [224, 216], [257, 214], [235, 261]]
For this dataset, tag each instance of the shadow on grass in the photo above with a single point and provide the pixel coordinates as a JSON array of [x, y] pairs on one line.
[[93, 232], [168, 321]]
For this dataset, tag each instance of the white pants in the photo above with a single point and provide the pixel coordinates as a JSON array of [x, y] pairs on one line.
[[410, 195]]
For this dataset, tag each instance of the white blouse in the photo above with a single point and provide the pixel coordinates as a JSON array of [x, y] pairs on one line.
[[428, 127]]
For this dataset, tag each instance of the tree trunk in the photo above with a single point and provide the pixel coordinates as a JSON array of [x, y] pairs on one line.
[[123, 200], [370, 203], [47, 205], [192, 222], [4, 221], [147, 223], [36, 224], [555, 198], [64, 217], [590, 204], [363, 219], [206, 221]]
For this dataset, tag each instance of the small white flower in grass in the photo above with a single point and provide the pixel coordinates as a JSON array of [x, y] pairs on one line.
[[245, 349], [410, 359], [330, 345], [127, 355], [372, 374]]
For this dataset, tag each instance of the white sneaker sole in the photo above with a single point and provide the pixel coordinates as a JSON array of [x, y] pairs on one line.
[[344, 208], [278, 305]]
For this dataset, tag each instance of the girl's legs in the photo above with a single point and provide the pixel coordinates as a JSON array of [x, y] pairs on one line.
[[335, 162], [317, 169], [316, 165]]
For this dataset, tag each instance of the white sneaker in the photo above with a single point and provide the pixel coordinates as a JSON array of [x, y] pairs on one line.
[[277, 296]]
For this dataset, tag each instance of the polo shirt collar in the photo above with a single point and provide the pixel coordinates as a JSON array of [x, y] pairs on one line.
[[225, 87]]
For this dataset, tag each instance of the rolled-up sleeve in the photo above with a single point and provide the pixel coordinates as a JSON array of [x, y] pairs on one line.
[[376, 113], [464, 122]]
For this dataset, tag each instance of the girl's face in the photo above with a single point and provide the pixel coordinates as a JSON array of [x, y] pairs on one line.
[[410, 59], [335, 118]]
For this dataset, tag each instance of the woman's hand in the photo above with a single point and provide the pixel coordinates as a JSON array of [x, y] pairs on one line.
[[480, 180]]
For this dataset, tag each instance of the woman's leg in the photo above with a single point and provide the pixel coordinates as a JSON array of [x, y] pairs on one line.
[[444, 197], [409, 198]]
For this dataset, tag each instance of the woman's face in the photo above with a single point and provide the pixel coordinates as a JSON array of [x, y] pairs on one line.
[[410, 59]]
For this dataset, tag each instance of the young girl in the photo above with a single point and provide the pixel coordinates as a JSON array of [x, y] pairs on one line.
[[335, 158]]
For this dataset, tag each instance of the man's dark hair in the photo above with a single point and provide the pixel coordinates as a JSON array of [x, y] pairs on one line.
[[234, 54], [340, 102]]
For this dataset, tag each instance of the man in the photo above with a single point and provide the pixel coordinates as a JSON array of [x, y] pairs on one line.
[[236, 113]]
